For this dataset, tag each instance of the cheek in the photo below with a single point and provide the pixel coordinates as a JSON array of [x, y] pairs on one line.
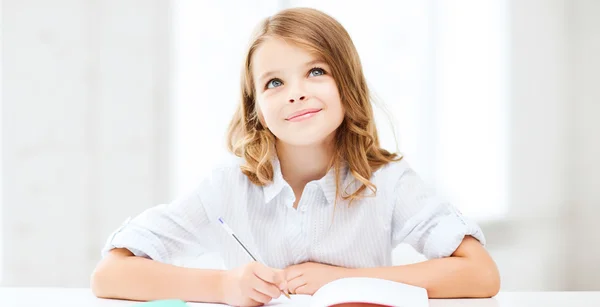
[[331, 97], [267, 110]]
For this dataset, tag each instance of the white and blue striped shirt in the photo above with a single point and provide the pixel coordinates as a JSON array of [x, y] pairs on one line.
[[403, 210]]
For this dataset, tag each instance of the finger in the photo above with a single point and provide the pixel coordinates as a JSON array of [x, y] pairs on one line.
[[259, 297], [283, 280], [251, 303], [265, 288], [292, 272], [268, 274], [303, 289], [295, 283]]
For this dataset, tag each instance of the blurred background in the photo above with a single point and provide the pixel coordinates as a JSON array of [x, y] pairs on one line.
[[111, 107]]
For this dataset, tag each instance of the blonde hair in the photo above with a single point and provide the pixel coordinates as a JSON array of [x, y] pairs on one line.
[[356, 140]]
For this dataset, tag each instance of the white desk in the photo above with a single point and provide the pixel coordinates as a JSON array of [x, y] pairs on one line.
[[67, 297]]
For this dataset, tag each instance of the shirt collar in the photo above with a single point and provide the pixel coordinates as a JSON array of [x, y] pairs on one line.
[[327, 183], [274, 188]]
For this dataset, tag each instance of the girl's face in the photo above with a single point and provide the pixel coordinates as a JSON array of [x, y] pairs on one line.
[[297, 98]]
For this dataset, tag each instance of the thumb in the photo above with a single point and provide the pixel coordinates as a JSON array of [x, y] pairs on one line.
[[280, 279]]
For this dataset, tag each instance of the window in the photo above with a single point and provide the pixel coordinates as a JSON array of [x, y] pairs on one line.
[[471, 88]]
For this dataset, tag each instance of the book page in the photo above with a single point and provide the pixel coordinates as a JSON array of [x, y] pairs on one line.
[[375, 291], [370, 290]]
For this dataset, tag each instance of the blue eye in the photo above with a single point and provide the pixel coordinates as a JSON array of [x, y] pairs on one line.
[[274, 83], [315, 72]]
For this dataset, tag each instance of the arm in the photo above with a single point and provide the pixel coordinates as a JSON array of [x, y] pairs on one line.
[[459, 265], [469, 272], [121, 275], [138, 258]]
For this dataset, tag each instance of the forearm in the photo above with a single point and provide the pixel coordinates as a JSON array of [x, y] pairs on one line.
[[451, 277], [136, 278]]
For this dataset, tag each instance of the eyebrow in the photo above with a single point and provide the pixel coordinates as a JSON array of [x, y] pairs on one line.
[[274, 72]]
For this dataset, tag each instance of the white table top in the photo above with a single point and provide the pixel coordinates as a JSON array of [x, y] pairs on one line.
[[71, 297]]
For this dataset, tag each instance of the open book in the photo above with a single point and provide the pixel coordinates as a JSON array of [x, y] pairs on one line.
[[368, 291], [352, 292]]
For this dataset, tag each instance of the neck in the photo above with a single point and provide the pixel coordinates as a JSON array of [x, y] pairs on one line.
[[302, 164]]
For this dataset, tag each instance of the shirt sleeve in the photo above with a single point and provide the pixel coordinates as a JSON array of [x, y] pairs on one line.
[[432, 226], [167, 231]]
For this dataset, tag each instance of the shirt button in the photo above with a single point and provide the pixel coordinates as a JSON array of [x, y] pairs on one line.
[[303, 209]]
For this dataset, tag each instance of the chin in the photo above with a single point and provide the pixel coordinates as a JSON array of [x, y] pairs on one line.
[[304, 140], [300, 142], [314, 135]]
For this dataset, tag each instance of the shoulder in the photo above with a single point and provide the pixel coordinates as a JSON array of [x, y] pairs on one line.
[[227, 163], [223, 184], [227, 171], [394, 175], [392, 171]]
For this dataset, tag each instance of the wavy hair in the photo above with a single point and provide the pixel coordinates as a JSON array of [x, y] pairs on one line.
[[356, 139]]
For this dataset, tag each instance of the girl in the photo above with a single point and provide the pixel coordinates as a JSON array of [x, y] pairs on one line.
[[311, 194]]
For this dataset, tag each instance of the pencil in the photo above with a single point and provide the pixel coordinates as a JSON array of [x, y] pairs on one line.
[[230, 231]]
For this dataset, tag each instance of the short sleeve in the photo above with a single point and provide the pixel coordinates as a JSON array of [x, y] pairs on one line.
[[167, 231], [429, 224]]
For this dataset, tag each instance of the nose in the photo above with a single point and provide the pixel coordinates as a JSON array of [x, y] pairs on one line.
[[292, 100]]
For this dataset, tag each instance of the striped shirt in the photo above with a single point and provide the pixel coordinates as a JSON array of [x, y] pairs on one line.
[[403, 210]]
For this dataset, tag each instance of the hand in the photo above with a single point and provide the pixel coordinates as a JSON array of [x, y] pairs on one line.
[[308, 277], [252, 285]]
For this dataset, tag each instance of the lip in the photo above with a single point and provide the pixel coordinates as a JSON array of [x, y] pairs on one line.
[[302, 112]]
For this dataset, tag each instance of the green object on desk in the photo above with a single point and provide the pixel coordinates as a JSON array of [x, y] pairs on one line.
[[163, 303]]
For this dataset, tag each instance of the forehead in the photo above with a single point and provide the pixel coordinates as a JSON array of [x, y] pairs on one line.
[[278, 54]]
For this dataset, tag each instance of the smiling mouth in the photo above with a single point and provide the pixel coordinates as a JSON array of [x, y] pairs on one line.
[[303, 115]]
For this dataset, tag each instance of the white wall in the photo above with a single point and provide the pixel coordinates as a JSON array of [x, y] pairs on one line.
[[584, 158], [525, 246], [83, 130], [549, 242]]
